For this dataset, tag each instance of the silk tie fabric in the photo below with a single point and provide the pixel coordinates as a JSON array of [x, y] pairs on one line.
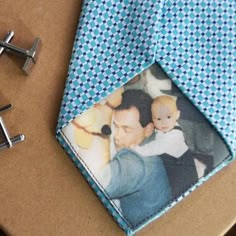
[[193, 42]]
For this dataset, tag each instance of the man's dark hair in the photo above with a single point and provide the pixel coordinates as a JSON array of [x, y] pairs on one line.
[[140, 100]]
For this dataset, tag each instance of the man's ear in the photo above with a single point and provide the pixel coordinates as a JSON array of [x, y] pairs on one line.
[[149, 129]]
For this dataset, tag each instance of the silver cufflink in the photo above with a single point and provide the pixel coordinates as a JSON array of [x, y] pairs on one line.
[[8, 141], [30, 55]]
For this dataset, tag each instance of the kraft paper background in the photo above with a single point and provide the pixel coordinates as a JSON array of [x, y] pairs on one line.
[[41, 191]]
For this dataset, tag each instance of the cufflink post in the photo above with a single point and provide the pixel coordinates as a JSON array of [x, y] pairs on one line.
[[7, 39], [8, 142], [31, 54]]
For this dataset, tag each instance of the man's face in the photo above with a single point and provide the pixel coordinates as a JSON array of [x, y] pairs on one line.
[[128, 131], [163, 118]]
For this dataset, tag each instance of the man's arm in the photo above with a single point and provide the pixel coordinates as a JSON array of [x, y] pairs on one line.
[[123, 175]]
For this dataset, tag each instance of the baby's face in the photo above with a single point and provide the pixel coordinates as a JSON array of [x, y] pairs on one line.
[[163, 118]]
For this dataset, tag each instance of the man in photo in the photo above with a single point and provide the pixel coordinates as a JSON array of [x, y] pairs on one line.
[[140, 184]]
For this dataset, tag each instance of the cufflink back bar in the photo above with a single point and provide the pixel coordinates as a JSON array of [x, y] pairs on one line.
[[8, 141], [31, 54]]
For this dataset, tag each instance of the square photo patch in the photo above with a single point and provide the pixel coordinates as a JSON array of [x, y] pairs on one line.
[[144, 147]]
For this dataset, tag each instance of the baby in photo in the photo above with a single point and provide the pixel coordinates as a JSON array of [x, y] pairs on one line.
[[169, 137], [170, 145]]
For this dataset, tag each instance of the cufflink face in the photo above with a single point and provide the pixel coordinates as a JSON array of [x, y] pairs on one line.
[[145, 147]]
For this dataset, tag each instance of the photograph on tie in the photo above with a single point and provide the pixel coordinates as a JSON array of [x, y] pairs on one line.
[[146, 146]]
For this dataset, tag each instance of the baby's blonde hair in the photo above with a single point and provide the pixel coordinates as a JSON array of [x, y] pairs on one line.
[[164, 100]]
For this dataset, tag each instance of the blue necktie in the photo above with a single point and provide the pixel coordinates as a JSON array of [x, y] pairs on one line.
[[192, 41]]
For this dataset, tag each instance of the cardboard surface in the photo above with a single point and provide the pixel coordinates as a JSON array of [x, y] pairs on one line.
[[41, 191]]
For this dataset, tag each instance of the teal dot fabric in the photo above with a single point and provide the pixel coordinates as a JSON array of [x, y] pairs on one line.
[[114, 42], [196, 47], [193, 41]]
